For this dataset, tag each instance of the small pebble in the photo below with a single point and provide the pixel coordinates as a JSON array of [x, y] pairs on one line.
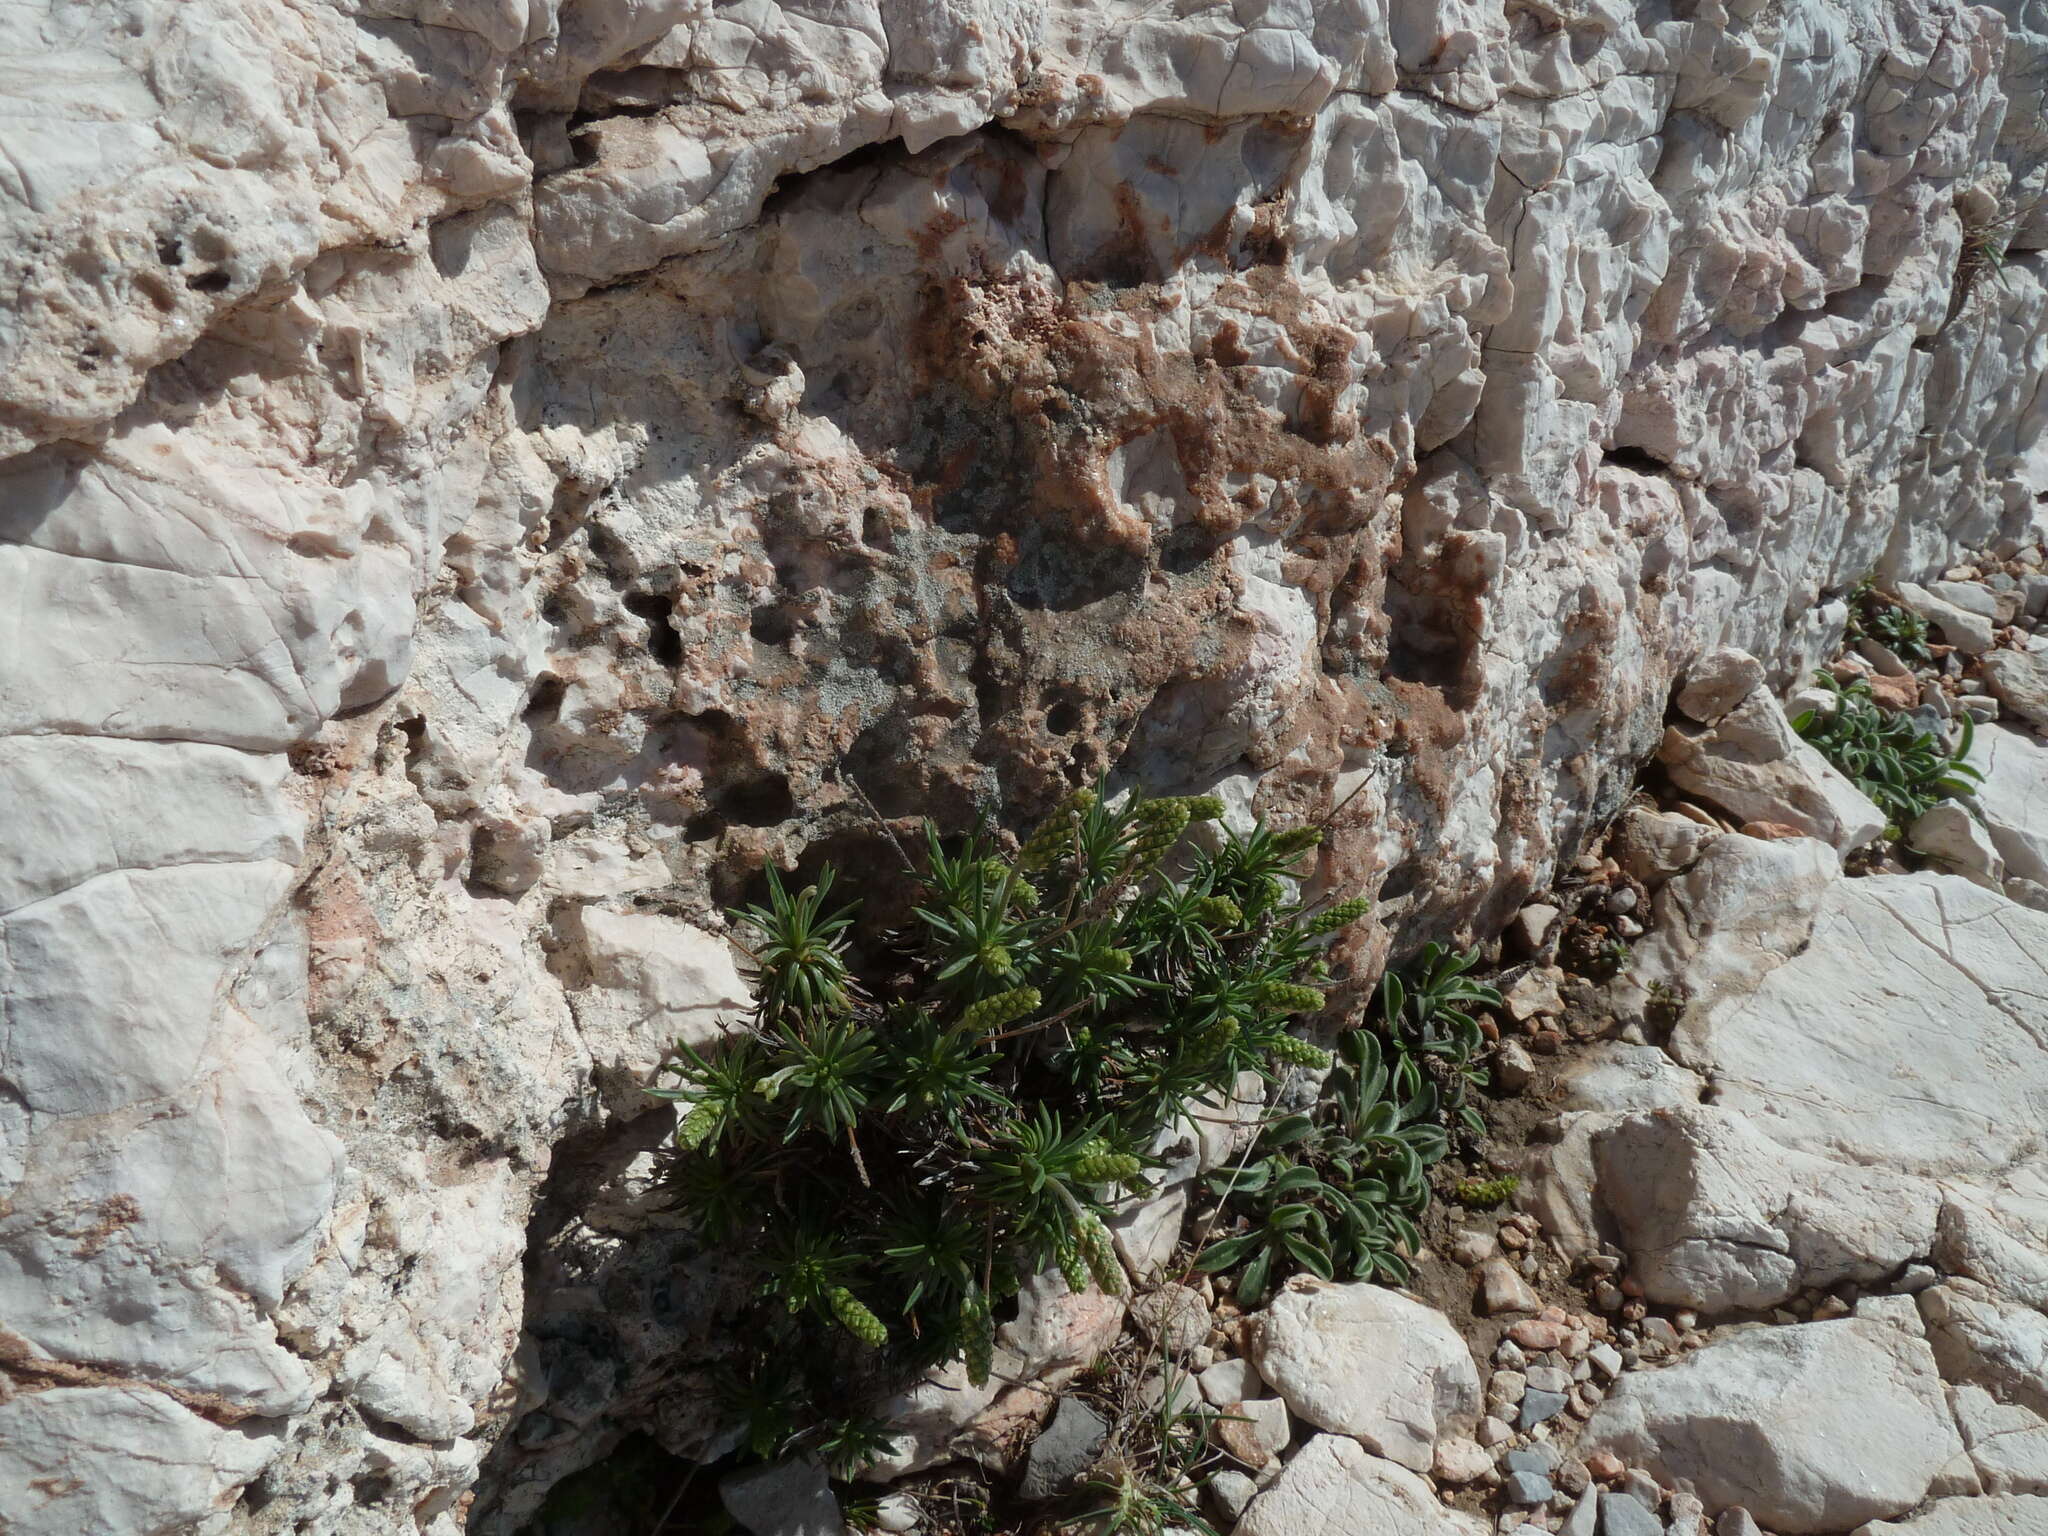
[[1536, 1333], [1737, 1521], [896, 1512], [1509, 1355], [1537, 1407], [1914, 1279], [1685, 1320], [1605, 1359], [1529, 1267], [1642, 1487], [1472, 1248], [1540, 1459], [1459, 1460], [1502, 1290], [1494, 1431], [1547, 1378], [1571, 1475], [1604, 1466], [1688, 1515], [1514, 1238], [1230, 1492], [1585, 1516], [1622, 1515], [1578, 1406], [1526, 1488], [1658, 1330], [1833, 1307], [1506, 1387], [1607, 1296]]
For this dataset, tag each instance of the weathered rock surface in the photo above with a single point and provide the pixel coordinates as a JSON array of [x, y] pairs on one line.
[[478, 482], [2011, 1516], [2008, 1444], [1721, 1218], [1334, 1487], [1892, 963], [1368, 1362], [2019, 681], [2014, 798], [1750, 763], [1811, 1428]]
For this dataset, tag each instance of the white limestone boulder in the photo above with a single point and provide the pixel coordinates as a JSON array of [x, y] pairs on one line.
[[649, 981], [1743, 909], [1333, 1487], [1368, 1362], [2014, 798], [1957, 843], [1812, 1428], [123, 1459], [1832, 1053], [1999, 1240], [1969, 632], [2008, 1443], [1988, 1343], [1753, 765], [1717, 1217], [2015, 1515], [2019, 681], [1611, 1080]]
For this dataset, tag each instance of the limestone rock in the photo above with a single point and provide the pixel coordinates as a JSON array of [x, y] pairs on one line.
[[1063, 1450], [1502, 1291], [1968, 632], [2014, 799], [1230, 1381], [2019, 681], [463, 464], [2008, 1443], [1997, 1516], [1719, 1218], [1368, 1362], [1891, 962], [1174, 1317], [1652, 846], [1732, 918], [115, 1459], [1717, 682], [2000, 1242], [1751, 764], [1956, 843], [1811, 1428], [924, 1419], [1334, 1487], [1988, 1343], [783, 1498]]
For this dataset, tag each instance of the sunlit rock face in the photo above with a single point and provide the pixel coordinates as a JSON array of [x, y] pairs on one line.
[[481, 479]]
